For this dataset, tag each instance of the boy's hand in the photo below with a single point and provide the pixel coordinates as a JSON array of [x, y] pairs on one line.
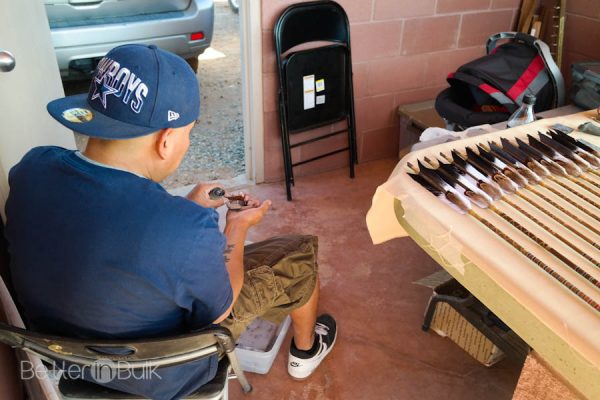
[[199, 195], [251, 214]]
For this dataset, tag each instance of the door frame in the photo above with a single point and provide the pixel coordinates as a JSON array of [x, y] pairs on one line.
[[252, 88]]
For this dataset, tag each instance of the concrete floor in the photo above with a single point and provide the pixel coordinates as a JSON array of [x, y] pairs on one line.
[[381, 351]]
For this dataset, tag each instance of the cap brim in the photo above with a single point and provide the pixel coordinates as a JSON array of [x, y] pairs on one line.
[[93, 123]]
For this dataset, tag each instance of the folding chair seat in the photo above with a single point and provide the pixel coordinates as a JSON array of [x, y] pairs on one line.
[[142, 353], [76, 389], [315, 83]]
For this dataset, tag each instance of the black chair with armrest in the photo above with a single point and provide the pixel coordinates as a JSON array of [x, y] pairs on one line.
[[132, 354]]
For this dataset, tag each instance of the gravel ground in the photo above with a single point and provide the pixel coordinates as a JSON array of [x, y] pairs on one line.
[[217, 141]]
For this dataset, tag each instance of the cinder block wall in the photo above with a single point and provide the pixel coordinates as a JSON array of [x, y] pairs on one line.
[[402, 51]]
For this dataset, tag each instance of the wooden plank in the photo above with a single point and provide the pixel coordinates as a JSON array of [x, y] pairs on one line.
[[525, 16]]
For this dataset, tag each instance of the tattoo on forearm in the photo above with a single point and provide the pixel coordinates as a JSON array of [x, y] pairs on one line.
[[228, 251]]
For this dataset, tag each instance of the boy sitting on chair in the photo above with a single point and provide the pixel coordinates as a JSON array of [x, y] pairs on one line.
[[100, 250]]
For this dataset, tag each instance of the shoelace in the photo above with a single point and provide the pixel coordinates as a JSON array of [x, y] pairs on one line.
[[321, 329]]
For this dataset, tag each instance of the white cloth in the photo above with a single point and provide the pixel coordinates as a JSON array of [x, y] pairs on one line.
[[434, 135], [564, 330]]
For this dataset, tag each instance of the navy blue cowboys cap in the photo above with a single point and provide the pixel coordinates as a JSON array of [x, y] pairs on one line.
[[136, 90]]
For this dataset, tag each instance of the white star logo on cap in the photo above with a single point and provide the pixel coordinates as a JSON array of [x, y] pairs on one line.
[[103, 91]]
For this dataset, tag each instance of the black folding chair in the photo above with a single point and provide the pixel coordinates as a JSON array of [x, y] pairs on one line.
[[132, 355], [315, 84]]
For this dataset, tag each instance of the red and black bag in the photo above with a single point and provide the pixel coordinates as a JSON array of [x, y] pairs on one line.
[[489, 89]]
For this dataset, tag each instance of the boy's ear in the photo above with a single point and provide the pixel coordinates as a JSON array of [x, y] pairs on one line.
[[163, 143]]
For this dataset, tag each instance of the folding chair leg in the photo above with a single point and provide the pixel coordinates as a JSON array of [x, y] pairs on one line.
[[351, 144], [287, 161], [352, 126], [351, 154], [226, 391], [354, 146], [287, 152], [237, 369], [288, 189]]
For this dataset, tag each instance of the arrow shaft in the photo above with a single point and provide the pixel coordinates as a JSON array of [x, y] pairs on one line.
[[587, 299], [552, 232], [565, 198], [560, 221], [547, 247]]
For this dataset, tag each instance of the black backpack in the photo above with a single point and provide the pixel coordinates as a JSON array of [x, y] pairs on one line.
[[489, 89]]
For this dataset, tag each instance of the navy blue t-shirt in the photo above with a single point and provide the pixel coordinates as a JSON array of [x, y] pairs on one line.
[[103, 253]]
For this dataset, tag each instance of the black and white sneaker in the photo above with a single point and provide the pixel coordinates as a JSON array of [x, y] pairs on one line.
[[301, 363]]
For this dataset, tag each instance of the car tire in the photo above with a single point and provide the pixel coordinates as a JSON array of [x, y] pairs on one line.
[[193, 62], [235, 5]]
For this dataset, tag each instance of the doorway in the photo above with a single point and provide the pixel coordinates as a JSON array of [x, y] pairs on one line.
[[226, 145], [217, 141]]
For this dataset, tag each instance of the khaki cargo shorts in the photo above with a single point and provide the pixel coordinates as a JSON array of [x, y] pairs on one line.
[[281, 274]]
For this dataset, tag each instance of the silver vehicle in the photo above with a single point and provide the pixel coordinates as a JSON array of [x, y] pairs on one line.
[[83, 31]]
